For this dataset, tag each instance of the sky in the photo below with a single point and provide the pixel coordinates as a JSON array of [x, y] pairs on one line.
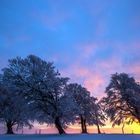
[[88, 40]]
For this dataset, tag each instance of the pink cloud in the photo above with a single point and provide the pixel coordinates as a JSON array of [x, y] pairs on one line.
[[96, 77], [95, 84], [95, 74], [86, 50], [134, 70], [89, 78], [92, 79]]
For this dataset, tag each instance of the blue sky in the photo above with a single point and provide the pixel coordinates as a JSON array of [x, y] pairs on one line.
[[86, 39]]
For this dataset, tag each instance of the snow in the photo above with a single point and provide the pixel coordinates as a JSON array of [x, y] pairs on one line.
[[72, 137]]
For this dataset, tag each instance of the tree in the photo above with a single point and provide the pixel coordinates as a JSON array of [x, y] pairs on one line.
[[82, 98], [59, 111], [122, 103], [41, 85], [13, 109], [97, 114]]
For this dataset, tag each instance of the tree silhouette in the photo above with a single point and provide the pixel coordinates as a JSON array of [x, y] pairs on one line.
[[122, 103]]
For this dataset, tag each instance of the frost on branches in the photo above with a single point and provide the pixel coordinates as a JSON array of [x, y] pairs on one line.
[[33, 90], [89, 112], [42, 86], [14, 111]]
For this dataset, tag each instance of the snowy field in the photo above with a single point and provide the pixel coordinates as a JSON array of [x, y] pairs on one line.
[[71, 137]]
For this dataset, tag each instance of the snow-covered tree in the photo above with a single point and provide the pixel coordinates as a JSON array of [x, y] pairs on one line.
[[14, 111], [81, 97], [60, 110], [88, 111], [41, 85], [122, 103]]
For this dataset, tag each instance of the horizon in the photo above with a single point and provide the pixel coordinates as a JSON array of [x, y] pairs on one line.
[[44, 129]]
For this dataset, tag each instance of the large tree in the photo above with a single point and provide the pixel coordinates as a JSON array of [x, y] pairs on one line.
[[41, 85], [122, 102]]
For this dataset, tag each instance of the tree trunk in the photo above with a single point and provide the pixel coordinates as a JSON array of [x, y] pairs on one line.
[[123, 128], [58, 126], [9, 126], [98, 128], [83, 124]]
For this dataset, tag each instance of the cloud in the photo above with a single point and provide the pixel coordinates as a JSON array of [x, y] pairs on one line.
[[92, 40], [95, 74], [51, 17], [95, 83], [134, 70], [89, 78], [86, 50], [54, 21]]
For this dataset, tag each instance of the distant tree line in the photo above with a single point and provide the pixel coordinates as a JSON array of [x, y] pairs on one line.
[[31, 89]]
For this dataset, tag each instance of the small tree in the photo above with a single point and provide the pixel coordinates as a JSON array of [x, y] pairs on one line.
[[13, 109], [97, 114], [82, 98], [122, 100]]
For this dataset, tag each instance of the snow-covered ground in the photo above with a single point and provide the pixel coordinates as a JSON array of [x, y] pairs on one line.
[[71, 137]]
